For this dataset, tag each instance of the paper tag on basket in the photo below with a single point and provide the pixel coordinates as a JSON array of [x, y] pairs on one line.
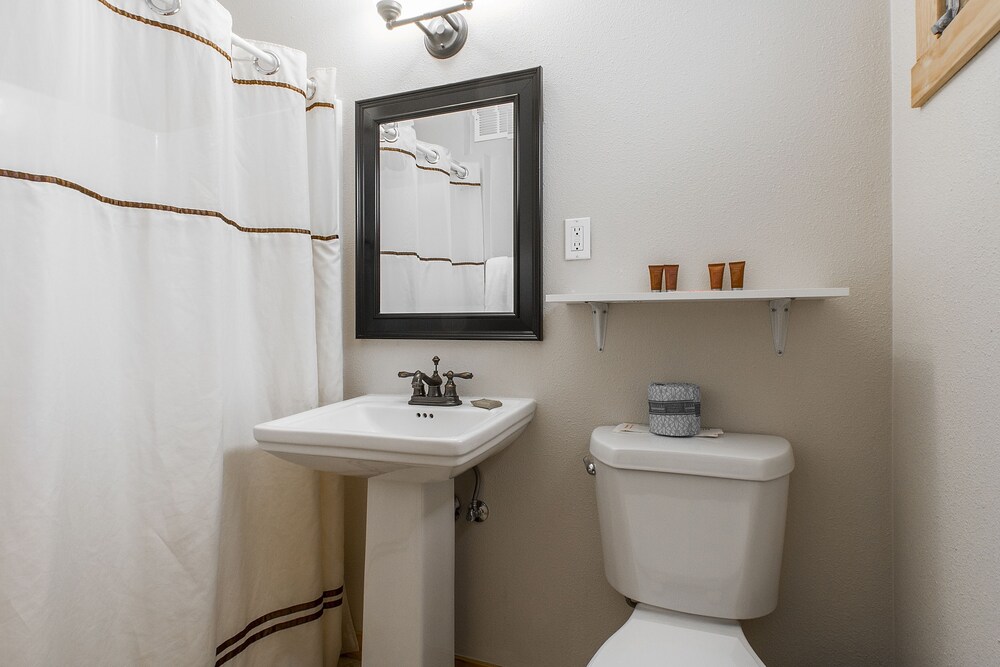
[[709, 433], [631, 428]]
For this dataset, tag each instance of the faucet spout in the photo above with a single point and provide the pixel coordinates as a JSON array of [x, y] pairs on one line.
[[434, 381]]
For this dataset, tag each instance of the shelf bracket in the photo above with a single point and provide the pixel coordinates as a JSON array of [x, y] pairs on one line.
[[600, 311], [779, 323]]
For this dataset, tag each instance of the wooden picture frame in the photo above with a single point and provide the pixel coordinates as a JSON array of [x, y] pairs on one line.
[[940, 57]]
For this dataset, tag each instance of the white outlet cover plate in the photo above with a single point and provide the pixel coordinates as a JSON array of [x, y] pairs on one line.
[[577, 238]]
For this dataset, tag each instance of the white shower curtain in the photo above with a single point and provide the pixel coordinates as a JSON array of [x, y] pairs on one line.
[[169, 277], [431, 230]]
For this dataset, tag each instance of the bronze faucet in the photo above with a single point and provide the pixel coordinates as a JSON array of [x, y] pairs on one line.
[[427, 390]]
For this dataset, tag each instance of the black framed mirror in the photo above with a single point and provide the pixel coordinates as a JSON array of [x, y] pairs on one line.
[[449, 194]]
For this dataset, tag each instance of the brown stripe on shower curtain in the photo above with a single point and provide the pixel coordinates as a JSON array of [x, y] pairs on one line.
[[167, 26], [446, 173], [274, 84], [419, 166], [321, 104], [328, 600], [209, 43], [397, 150], [406, 253], [62, 182]]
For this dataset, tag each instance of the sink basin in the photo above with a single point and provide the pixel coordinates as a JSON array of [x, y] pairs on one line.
[[381, 435]]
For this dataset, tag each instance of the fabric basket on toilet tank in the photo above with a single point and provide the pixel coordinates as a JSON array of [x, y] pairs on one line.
[[674, 409]]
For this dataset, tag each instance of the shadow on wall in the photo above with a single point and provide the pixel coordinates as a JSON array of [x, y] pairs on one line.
[[917, 482]]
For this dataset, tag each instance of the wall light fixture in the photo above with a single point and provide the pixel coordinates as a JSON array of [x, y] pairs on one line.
[[444, 36]]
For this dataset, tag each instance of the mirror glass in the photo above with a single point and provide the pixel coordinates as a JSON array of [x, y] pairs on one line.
[[446, 212]]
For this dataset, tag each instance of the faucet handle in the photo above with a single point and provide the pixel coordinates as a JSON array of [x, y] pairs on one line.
[[450, 390]]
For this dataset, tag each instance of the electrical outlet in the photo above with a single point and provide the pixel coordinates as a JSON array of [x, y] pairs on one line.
[[577, 238]]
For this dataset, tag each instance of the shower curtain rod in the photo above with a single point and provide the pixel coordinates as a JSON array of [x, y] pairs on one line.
[[457, 167], [263, 57], [267, 62]]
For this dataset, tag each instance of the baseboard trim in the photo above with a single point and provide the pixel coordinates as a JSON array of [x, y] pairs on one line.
[[471, 662], [460, 661]]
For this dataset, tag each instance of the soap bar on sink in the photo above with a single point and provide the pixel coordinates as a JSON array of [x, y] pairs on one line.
[[487, 403]]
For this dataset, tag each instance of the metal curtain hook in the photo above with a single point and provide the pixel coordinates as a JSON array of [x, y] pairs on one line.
[[386, 129], [171, 8], [436, 157], [311, 88], [277, 63]]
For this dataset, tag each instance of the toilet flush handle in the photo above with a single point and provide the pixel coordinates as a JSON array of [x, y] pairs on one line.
[[588, 462]]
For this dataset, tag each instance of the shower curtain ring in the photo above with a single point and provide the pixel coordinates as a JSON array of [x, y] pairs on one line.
[[171, 8], [256, 62], [436, 157], [385, 130], [311, 88]]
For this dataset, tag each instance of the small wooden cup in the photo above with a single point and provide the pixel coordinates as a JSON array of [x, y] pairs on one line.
[[670, 276], [656, 277], [716, 272], [736, 274]]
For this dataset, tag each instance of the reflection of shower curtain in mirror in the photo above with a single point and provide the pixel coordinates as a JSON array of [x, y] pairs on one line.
[[431, 231]]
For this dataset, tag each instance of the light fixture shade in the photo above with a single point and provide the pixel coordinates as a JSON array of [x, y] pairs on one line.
[[389, 10]]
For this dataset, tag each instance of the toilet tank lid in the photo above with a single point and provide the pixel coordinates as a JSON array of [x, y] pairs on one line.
[[731, 456]]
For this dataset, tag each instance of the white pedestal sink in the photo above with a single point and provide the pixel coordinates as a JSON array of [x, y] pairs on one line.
[[411, 455]]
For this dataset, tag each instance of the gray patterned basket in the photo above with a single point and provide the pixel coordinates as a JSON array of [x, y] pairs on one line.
[[674, 409]]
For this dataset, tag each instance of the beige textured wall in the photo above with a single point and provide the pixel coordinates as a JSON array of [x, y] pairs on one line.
[[689, 132], [946, 360]]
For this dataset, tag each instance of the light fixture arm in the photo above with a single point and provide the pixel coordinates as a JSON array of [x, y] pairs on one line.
[[444, 37], [423, 29], [427, 16]]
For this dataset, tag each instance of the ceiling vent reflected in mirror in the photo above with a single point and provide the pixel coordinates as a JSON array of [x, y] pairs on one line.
[[496, 122]]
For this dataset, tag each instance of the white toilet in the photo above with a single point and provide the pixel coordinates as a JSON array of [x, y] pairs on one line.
[[692, 530]]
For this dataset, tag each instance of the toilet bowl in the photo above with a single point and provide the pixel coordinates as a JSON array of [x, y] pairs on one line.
[[665, 638], [692, 529]]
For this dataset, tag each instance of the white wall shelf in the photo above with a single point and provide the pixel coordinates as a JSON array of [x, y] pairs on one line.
[[779, 303]]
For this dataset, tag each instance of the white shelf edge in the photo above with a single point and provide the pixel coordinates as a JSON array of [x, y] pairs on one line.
[[779, 304], [804, 293]]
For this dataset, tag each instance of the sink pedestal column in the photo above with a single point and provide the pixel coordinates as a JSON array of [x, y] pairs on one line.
[[409, 615]]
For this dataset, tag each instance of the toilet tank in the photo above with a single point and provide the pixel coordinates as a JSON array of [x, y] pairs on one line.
[[695, 525]]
